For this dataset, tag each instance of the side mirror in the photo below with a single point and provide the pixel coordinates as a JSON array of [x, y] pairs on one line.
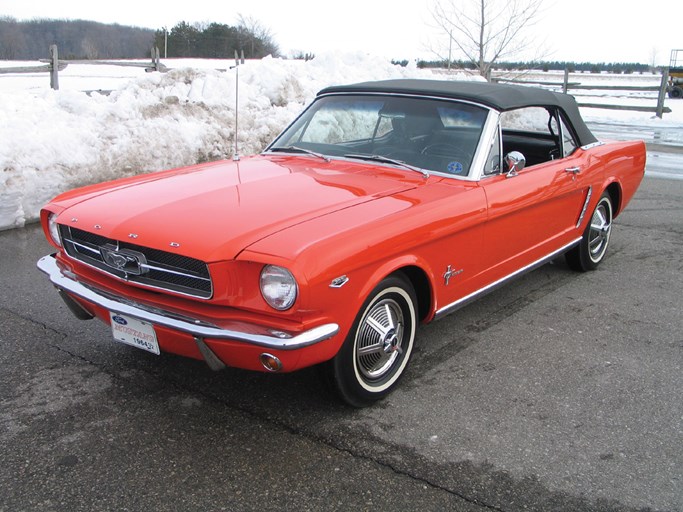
[[515, 162]]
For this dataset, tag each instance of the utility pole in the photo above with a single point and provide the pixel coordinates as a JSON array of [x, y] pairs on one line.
[[236, 155], [450, 48]]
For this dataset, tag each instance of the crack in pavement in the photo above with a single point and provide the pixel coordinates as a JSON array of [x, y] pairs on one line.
[[249, 413]]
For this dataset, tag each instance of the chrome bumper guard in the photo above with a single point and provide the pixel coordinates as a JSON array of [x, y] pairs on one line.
[[244, 332]]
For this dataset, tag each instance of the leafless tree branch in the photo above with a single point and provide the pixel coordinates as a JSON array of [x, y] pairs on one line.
[[486, 31]]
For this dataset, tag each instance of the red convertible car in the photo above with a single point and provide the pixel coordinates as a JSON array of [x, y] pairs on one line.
[[383, 205]]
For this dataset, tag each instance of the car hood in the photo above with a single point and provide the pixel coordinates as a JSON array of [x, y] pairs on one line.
[[214, 211]]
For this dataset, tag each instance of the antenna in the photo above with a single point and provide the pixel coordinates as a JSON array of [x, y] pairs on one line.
[[236, 155]]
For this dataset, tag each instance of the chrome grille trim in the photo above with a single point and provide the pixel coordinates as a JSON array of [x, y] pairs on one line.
[[85, 247], [162, 270], [246, 332]]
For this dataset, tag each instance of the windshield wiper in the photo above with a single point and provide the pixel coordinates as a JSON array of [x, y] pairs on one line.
[[387, 160], [297, 149]]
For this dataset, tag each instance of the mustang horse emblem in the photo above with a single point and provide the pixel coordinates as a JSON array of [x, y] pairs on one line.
[[125, 260]]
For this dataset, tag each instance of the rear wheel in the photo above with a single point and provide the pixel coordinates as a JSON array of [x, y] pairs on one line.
[[593, 246], [676, 92], [376, 351]]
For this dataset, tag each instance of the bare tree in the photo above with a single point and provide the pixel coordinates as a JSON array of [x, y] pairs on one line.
[[89, 49], [486, 31], [256, 39], [654, 54], [12, 40]]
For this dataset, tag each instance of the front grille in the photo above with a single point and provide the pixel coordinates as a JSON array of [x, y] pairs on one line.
[[151, 267]]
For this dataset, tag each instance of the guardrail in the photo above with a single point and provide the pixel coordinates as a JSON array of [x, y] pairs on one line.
[[54, 65], [567, 86]]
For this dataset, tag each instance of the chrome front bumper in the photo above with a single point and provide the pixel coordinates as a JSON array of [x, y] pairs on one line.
[[240, 331]]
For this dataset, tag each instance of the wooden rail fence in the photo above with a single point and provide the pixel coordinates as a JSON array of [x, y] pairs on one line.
[[54, 65], [567, 86]]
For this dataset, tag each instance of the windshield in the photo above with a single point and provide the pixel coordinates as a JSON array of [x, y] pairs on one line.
[[436, 135]]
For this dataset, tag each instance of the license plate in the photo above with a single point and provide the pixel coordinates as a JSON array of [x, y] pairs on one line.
[[134, 332]]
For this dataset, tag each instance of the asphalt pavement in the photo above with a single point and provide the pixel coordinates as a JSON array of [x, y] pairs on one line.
[[560, 392]]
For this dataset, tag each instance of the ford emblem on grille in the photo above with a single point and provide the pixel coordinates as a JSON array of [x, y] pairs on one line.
[[125, 260]]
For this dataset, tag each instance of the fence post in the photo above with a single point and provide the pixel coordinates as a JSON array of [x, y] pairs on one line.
[[662, 92], [54, 67], [155, 58], [565, 84]]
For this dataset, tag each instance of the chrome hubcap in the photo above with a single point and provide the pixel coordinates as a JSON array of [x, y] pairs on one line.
[[380, 338], [601, 226]]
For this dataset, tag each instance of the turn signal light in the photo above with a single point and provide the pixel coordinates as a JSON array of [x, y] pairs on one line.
[[270, 362]]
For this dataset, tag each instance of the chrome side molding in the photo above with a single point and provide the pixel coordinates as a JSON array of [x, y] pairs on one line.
[[460, 303]]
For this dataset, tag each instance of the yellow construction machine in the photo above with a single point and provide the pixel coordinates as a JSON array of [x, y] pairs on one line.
[[675, 88]]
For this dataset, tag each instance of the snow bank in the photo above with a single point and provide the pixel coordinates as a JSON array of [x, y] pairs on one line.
[[52, 141]]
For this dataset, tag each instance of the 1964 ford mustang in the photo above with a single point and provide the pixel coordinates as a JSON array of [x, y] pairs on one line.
[[385, 204]]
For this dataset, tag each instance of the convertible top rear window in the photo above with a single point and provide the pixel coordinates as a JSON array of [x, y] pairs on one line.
[[436, 135]]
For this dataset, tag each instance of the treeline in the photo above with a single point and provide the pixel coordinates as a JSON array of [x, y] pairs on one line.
[[80, 39], [76, 39], [591, 67], [573, 67], [217, 40]]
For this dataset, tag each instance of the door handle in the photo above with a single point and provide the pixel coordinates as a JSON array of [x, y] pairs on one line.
[[573, 170]]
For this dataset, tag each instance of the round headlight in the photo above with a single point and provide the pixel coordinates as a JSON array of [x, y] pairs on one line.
[[278, 287], [53, 228]]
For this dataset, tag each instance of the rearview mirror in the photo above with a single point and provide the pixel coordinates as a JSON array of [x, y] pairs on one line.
[[515, 162]]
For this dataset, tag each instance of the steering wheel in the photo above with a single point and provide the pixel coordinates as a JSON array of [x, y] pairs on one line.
[[448, 152], [388, 151]]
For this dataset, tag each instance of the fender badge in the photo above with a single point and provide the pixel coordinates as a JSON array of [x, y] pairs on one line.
[[450, 273], [339, 282]]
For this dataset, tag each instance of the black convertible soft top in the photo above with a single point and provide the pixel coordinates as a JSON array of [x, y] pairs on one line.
[[497, 96]]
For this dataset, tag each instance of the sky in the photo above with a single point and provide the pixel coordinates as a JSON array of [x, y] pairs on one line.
[[573, 30]]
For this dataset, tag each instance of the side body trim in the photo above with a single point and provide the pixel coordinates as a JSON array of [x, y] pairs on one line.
[[585, 205], [454, 306]]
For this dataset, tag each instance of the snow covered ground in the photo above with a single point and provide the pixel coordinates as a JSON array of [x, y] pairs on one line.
[[52, 141]]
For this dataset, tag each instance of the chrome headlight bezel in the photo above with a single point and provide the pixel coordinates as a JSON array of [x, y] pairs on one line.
[[278, 287], [53, 229]]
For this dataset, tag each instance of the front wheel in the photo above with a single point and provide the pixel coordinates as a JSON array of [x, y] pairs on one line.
[[376, 351], [593, 246]]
